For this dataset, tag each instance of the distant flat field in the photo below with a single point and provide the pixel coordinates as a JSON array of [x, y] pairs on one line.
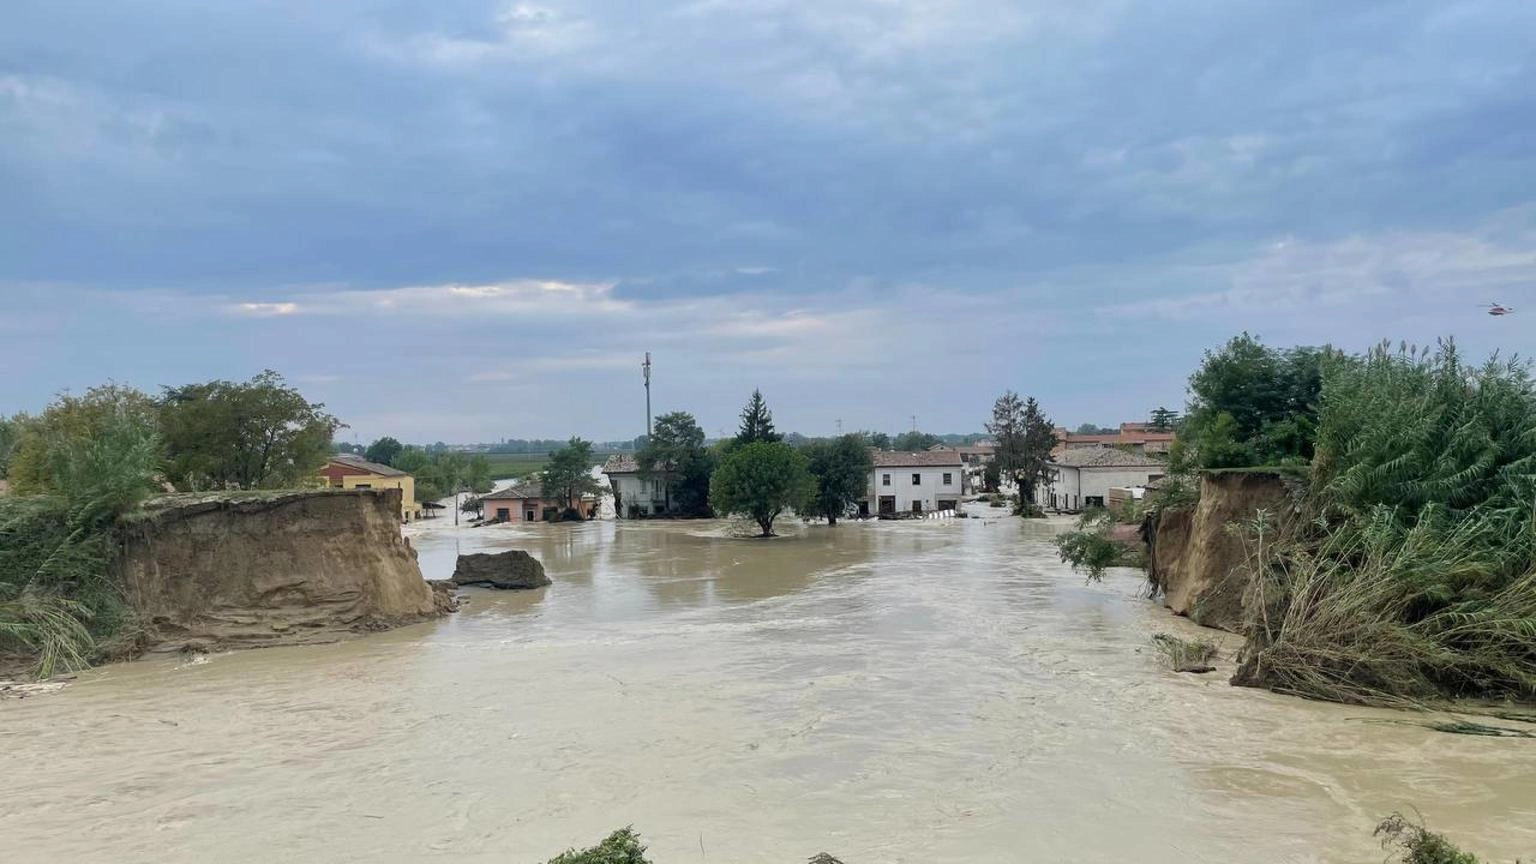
[[519, 465]]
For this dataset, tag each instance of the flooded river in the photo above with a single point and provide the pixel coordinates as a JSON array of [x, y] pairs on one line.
[[912, 692]]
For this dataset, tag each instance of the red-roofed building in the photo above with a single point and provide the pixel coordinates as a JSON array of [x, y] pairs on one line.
[[1136, 436]]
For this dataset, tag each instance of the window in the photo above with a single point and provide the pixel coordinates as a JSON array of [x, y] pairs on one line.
[[885, 480], [917, 479], [948, 478], [363, 486]]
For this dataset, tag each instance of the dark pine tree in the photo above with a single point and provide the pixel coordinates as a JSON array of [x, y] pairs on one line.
[[757, 422]]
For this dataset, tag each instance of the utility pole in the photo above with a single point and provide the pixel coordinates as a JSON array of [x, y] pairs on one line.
[[646, 367], [839, 427], [914, 422]]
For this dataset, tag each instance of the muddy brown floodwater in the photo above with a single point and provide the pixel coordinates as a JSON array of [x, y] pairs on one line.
[[912, 692]]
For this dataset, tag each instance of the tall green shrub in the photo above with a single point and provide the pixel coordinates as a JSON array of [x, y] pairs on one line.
[[57, 597], [1413, 573]]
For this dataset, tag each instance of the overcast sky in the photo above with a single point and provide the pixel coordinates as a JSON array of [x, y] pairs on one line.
[[466, 220]]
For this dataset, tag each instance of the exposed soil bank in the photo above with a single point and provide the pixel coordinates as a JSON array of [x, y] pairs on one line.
[[281, 568], [1194, 558]]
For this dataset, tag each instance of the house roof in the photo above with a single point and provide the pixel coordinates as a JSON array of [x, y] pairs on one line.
[[515, 492], [362, 464], [1104, 457], [916, 459], [525, 491], [621, 463]]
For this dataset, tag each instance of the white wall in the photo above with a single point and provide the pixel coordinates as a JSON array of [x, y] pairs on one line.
[[930, 490], [633, 490], [1073, 486]]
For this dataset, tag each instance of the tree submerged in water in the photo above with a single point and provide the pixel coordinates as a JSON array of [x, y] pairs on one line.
[[761, 481]]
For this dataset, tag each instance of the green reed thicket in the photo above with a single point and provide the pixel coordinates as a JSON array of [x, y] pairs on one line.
[[58, 599], [1411, 573]]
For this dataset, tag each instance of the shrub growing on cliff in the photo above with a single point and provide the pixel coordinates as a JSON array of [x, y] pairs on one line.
[[1090, 547], [1414, 573]]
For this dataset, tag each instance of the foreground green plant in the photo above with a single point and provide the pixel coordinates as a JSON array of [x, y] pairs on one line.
[[621, 847], [1411, 843], [624, 847]]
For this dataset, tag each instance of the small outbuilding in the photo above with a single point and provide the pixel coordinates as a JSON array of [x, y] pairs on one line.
[[525, 502]]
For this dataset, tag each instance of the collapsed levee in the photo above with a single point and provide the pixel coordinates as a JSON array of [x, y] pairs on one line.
[[1198, 560], [269, 568]]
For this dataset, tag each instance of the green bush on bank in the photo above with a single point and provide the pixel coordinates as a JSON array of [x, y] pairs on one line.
[[59, 604], [1091, 549]]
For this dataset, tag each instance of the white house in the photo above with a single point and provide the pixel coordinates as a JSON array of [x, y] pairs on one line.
[[1082, 477], [919, 482], [635, 496]]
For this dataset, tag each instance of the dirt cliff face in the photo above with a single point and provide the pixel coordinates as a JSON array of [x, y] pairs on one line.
[[279, 568], [1197, 562]]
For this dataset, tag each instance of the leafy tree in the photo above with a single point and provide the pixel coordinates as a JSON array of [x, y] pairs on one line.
[[756, 422], [991, 477], [383, 451], [914, 441], [760, 481], [1007, 429], [877, 440], [411, 460], [477, 475], [841, 468], [676, 452], [10, 433], [568, 476], [1269, 398], [1039, 440], [1163, 420], [1092, 429], [474, 504], [260, 434], [72, 418]]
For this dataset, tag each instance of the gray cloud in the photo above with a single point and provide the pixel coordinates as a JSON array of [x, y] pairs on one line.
[[764, 189]]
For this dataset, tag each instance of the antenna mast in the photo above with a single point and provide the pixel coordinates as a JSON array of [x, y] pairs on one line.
[[646, 367]]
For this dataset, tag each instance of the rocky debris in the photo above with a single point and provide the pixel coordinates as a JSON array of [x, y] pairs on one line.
[[443, 595], [514, 569], [23, 689]]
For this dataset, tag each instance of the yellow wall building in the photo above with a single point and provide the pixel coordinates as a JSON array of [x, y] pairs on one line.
[[355, 472]]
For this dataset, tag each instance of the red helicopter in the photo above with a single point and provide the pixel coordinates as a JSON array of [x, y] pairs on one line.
[[1497, 309]]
